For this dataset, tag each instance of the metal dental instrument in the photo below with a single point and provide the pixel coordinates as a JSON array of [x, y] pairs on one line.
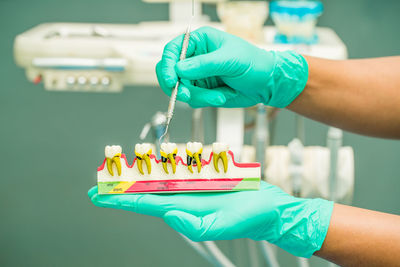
[[172, 100]]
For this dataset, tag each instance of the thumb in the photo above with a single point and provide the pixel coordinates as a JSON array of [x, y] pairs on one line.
[[202, 66], [193, 227]]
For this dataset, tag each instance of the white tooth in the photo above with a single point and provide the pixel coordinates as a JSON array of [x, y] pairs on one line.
[[138, 148], [219, 147], [225, 147], [145, 147], [216, 148], [107, 152], [116, 149], [110, 151], [142, 148], [196, 146], [171, 147], [168, 147], [164, 147], [189, 146]]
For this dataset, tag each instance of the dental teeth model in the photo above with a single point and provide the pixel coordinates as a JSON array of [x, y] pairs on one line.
[[172, 174]]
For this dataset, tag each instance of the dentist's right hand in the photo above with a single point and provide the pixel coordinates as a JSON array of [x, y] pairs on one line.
[[223, 70]]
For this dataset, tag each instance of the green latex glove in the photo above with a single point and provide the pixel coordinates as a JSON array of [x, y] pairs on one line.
[[297, 225], [223, 70]]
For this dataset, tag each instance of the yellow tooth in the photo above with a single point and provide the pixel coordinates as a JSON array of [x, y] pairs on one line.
[[215, 160], [146, 158], [109, 166], [117, 160], [164, 159], [171, 158], [224, 159], [139, 161], [197, 157], [190, 168], [148, 163], [189, 160], [192, 157], [173, 162]]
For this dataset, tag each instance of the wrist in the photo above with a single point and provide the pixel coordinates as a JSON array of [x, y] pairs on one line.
[[304, 225], [287, 79]]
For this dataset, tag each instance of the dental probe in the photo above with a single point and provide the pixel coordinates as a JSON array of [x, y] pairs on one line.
[[172, 100]]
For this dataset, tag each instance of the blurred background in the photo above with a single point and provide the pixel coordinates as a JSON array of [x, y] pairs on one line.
[[52, 143]]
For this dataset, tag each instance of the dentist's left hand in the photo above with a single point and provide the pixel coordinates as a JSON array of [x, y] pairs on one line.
[[297, 225]]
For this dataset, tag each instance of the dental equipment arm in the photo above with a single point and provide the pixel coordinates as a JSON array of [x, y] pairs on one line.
[[360, 237], [360, 95]]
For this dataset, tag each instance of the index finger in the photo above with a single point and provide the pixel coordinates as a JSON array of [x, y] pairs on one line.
[[148, 204], [170, 56], [157, 205]]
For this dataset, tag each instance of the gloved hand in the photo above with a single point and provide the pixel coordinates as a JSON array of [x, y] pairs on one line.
[[223, 70], [297, 225]]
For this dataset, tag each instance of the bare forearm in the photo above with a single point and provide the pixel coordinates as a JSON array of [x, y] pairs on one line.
[[359, 237], [361, 96]]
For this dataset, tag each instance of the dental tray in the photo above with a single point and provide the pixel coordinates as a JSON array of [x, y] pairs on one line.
[[171, 174]]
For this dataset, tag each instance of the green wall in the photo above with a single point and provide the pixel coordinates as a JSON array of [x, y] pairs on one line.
[[53, 142]]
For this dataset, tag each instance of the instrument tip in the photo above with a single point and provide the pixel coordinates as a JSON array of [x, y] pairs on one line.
[[160, 140]]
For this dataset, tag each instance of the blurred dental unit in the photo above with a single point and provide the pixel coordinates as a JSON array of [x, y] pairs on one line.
[[94, 58]]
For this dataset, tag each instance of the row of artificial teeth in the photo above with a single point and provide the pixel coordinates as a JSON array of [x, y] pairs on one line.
[[168, 152], [111, 151]]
